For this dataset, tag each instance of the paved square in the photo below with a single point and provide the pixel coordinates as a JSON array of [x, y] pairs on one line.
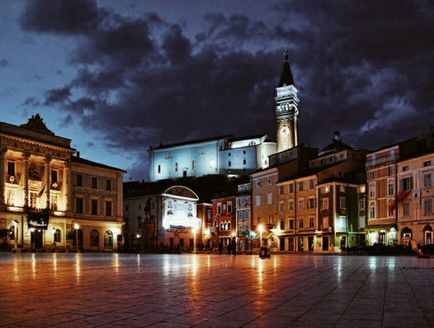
[[122, 290]]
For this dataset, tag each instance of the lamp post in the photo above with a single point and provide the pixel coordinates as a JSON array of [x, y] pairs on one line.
[[194, 230], [76, 227], [261, 230]]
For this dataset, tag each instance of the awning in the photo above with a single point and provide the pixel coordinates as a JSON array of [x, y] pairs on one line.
[[403, 194]]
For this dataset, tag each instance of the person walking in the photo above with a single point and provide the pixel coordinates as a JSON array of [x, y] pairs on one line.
[[229, 246], [220, 246], [234, 246]]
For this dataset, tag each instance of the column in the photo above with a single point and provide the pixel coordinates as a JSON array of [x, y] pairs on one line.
[[2, 176], [26, 179], [66, 183], [295, 132], [47, 180]]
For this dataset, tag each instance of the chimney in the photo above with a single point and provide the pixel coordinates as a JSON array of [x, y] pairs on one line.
[[78, 154]]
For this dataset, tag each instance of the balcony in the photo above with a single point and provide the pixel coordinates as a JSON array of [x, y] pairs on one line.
[[382, 160]]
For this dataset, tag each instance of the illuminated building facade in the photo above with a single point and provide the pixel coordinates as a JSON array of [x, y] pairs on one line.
[[165, 220], [221, 155], [243, 216], [224, 212], [50, 199], [415, 199], [382, 191]]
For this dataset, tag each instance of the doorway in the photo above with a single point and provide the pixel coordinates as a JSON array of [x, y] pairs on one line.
[[310, 243], [36, 239], [300, 244], [325, 243]]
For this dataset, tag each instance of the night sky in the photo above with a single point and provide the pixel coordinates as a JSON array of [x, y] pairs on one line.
[[120, 76]]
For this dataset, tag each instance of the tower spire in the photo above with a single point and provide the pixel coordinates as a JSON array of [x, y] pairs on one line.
[[286, 109], [286, 76]]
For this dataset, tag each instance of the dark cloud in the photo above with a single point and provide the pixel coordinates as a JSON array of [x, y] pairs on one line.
[[3, 63], [31, 101], [363, 68], [60, 16], [57, 96]]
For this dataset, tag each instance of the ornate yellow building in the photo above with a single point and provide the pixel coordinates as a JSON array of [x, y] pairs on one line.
[[51, 199]]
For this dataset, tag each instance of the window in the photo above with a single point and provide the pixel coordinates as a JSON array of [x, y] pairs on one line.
[[291, 205], [282, 224], [311, 184], [390, 170], [108, 185], [54, 174], [258, 200], [390, 210], [300, 186], [291, 224], [269, 180], [229, 154], [371, 175], [301, 204], [311, 203], [57, 236], [427, 180], [193, 165], [405, 168], [79, 205], [219, 208], [405, 184], [300, 223], [372, 190], [94, 238], [244, 162], [325, 203], [94, 207], [108, 239], [281, 206], [11, 168], [159, 169], [270, 198], [311, 222], [108, 208], [427, 163], [94, 182], [79, 180], [427, 206], [390, 188], [53, 202], [406, 209], [372, 210], [361, 204], [342, 202], [229, 207], [291, 188], [281, 190]]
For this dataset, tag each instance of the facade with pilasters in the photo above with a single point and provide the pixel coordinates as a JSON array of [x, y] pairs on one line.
[[46, 192]]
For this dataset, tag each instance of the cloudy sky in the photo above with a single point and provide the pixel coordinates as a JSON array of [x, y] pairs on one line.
[[120, 76]]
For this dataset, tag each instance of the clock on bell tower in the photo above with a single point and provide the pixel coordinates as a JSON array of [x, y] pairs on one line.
[[286, 109]]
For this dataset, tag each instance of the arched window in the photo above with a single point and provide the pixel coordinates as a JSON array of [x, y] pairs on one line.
[[108, 239], [372, 210], [390, 187], [94, 238], [372, 190], [57, 236]]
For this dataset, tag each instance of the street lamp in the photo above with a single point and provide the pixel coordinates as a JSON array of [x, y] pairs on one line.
[[261, 230], [76, 227], [194, 231]]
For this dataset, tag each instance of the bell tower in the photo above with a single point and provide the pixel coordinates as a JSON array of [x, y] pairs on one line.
[[286, 109]]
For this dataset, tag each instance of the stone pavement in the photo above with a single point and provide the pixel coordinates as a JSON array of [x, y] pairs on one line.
[[124, 290]]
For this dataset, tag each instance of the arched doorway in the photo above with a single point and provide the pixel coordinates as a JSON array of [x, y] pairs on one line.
[[108, 239], [427, 232], [406, 235]]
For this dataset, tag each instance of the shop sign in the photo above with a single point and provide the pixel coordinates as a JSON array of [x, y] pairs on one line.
[[38, 220]]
